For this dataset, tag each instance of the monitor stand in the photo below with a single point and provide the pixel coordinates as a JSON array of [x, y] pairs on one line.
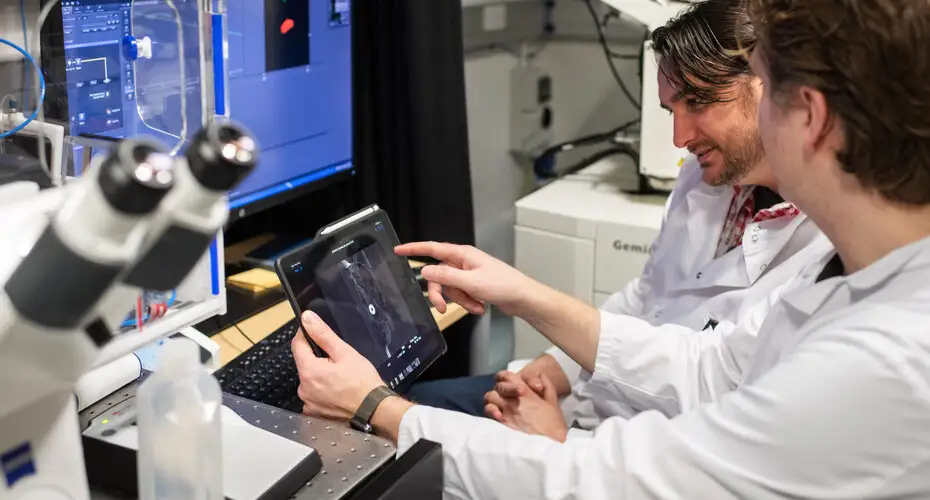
[[265, 255]]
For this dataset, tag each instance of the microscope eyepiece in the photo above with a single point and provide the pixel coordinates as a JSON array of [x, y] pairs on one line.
[[136, 176], [221, 155]]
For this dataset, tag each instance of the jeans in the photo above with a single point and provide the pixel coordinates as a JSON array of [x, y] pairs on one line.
[[464, 395]]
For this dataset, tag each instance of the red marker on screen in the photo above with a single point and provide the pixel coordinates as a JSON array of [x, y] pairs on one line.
[[287, 25]]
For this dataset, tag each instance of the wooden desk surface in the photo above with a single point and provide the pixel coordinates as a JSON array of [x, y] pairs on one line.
[[234, 341]]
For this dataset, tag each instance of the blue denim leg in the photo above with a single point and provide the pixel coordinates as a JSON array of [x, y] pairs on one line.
[[464, 395]]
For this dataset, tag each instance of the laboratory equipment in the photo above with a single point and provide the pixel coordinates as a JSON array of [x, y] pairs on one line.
[[585, 237], [74, 258], [531, 110], [659, 160], [259, 462], [101, 91]]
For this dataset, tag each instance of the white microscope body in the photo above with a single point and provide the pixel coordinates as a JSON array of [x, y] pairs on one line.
[[72, 263]]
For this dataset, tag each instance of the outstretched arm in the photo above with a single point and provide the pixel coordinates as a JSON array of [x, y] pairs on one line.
[[473, 278]]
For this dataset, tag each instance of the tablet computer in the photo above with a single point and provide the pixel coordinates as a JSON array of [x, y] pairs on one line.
[[350, 276]]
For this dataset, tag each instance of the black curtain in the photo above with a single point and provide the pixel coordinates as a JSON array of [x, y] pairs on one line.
[[411, 131], [411, 126]]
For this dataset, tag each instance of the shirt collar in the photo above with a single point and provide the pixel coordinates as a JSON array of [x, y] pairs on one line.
[[907, 258], [910, 258]]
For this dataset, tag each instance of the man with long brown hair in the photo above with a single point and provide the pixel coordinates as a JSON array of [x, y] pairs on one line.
[[836, 400]]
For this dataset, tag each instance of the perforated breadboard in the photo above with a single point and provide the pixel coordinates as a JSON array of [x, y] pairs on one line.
[[349, 456]]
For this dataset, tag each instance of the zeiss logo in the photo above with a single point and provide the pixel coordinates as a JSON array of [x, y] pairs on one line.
[[17, 464], [622, 246]]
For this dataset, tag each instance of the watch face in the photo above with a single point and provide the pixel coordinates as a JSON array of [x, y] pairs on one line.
[[361, 427]]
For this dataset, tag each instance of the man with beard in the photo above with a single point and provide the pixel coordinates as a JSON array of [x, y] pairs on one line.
[[728, 246]]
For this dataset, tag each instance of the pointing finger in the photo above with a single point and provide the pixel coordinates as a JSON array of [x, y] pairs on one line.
[[446, 252], [447, 276]]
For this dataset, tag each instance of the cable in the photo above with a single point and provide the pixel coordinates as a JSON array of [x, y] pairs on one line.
[[607, 54], [41, 99], [22, 15], [544, 164], [243, 333], [604, 25], [619, 149]]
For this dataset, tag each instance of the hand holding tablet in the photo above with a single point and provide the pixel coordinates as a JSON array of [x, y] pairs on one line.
[[350, 278]]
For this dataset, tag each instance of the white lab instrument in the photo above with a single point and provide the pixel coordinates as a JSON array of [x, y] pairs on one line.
[[659, 160], [531, 110], [583, 236]]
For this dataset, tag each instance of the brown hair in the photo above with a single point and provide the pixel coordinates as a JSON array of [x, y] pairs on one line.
[[699, 52], [871, 61]]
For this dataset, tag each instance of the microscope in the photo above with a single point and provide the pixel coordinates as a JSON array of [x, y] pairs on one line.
[[72, 262]]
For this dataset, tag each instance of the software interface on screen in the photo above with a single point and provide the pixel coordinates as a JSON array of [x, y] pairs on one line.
[[289, 69], [359, 297]]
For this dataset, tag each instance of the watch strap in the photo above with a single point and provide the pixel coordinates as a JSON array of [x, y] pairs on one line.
[[361, 421]]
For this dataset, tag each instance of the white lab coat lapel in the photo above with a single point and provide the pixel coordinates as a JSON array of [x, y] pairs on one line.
[[707, 208], [742, 266]]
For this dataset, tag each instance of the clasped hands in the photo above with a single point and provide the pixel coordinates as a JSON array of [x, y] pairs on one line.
[[527, 402]]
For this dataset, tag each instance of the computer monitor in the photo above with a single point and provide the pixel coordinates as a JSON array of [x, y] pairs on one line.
[[289, 81]]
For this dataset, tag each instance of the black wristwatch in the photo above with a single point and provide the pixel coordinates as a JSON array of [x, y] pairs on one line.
[[361, 421]]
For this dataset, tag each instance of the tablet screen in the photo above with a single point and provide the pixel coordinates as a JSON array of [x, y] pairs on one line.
[[370, 298], [367, 305]]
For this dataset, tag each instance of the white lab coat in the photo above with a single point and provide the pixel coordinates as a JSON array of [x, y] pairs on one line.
[[682, 288], [834, 404]]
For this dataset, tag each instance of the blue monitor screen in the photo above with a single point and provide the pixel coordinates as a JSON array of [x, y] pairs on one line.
[[290, 83]]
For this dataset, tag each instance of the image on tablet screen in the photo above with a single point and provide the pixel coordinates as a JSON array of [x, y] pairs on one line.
[[367, 305]]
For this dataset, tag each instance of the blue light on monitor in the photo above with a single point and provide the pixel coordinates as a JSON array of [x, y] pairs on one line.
[[288, 185]]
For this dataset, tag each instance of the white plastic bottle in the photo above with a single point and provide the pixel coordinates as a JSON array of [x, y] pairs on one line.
[[180, 438]]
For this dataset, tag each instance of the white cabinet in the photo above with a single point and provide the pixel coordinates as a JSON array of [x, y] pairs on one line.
[[584, 237], [565, 263]]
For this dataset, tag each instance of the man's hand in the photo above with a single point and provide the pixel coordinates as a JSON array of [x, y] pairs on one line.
[[532, 412], [332, 387], [532, 373], [471, 278]]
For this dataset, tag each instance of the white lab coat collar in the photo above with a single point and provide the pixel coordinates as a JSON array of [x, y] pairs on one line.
[[708, 207], [777, 233], [901, 261]]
